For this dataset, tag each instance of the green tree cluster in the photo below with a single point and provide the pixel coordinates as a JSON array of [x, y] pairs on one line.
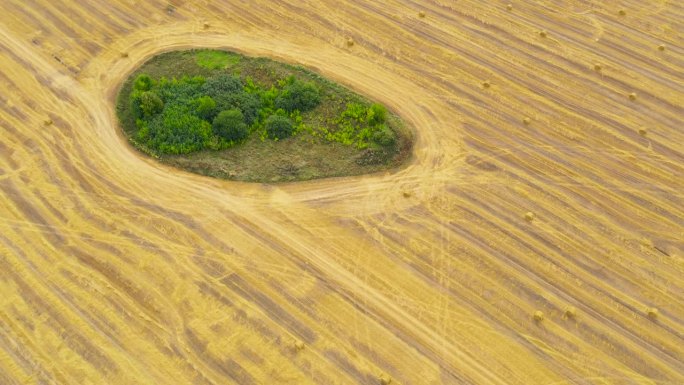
[[183, 115]]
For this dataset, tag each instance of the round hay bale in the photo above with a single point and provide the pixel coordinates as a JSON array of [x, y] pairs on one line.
[[421, 14], [486, 84], [529, 216], [538, 316], [632, 96], [509, 7], [385, 379], [652, 313], [622, 12], [570, 312], [48, 122], [124, 54], [299, 345], [661, 47], [543, 33], [206, 25], [597, 67], [527, 121], [350, 42], [643, 132], [406, 194]]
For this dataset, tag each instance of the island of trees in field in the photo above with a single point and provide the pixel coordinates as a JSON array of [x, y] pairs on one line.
[[226, 115]]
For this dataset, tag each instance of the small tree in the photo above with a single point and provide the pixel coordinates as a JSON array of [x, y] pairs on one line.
[[222, 85], [150, 103], [176, 131], [143, 83], [279, 127], [298, 95], [377, 114], [248, 104], [230, 125]]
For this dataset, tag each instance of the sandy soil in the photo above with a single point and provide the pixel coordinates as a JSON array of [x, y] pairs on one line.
[[118, 270]]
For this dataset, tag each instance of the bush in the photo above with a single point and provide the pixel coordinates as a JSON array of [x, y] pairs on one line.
[[222, 85], [297, 95], [176, 131], [150, 103], [278, 127], [204, 107], [384, 136], [180, 91], [377, 114], [249, 104], [143, 83], [135, 104], [230, 125]]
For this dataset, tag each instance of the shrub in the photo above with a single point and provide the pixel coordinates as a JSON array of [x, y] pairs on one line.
[[384, 136], [176, 131], [143, 83], [204, 107], [297, 95], [278, 127], [230, 125], [222, 85], [135, 104], [377, 114], [249, 104], [143, 134], [150, 103], [180, 91]]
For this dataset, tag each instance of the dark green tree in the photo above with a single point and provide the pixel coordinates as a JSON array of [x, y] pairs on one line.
[[249, 104], [180, 91], [384, 136], [230, 125], [222, 85], [377, 114], [176, 131], [298, 95], [278, 127], [135, 104]]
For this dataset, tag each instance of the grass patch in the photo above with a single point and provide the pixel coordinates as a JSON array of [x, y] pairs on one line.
[[212, 59], [340, 136]]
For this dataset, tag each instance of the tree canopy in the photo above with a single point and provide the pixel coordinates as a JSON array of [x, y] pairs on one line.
[[230, 125], [179, 115]]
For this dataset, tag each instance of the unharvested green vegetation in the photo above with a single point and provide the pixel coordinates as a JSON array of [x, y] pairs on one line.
[[226, 115]]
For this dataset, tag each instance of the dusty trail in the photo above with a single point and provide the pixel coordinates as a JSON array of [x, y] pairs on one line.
[[118, 270]]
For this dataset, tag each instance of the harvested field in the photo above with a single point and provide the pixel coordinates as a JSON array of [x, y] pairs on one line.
[[119, 270]]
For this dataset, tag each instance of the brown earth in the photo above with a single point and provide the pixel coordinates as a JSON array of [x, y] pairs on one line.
[[118, 270]]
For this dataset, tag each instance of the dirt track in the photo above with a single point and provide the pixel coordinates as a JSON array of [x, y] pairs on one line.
[[118, 270]]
